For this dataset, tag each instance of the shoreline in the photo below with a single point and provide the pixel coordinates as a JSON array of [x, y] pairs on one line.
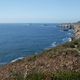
[[74, 26], [51, 45], [64, 58], [61, 58], [69, 40]]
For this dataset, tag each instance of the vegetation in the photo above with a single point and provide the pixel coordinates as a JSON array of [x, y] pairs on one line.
[[31, 76], [55, 76], [67, 76]]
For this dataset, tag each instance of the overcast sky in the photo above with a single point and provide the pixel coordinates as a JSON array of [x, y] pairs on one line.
[[39, 11]]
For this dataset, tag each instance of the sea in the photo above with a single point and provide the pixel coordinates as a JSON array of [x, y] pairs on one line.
[[19, 40]]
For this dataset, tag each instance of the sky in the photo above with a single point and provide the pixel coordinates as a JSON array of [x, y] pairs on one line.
[[39, 11]]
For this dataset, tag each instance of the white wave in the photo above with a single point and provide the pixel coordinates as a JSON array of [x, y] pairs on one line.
[[53, 44], [20, 58], [69, 39], [66, 39], [69, 33], [36, 53]]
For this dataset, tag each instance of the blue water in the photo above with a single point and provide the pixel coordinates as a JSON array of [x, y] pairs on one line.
[[20, 40]]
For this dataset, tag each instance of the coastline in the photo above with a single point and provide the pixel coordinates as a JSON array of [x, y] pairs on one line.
[[44, 42], [74, 26], [63, 58]]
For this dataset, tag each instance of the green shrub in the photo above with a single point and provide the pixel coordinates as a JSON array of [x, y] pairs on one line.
[[56, 76], [66, 76], [35, 76], [17, 76], [31, 76]]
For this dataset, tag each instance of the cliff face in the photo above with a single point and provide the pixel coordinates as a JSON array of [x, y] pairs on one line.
[[60, 59], [77, 31]]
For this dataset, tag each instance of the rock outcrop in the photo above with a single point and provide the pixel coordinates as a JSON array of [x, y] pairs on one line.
[[67, 26], [77, 31]]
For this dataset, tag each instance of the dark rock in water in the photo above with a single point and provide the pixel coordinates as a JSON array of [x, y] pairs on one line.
[[66, 27]]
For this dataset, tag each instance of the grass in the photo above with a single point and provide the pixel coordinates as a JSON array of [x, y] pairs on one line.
[[55, 76], [67, 76], [31, 76], [35, 76], [17, 76]]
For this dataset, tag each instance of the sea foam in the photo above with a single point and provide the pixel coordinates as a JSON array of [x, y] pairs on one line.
[[20, 58]]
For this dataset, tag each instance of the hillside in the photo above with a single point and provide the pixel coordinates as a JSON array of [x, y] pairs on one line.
[[62, 60]]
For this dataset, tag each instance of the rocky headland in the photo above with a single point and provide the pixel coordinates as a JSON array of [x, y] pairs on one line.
[[73, 26]]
